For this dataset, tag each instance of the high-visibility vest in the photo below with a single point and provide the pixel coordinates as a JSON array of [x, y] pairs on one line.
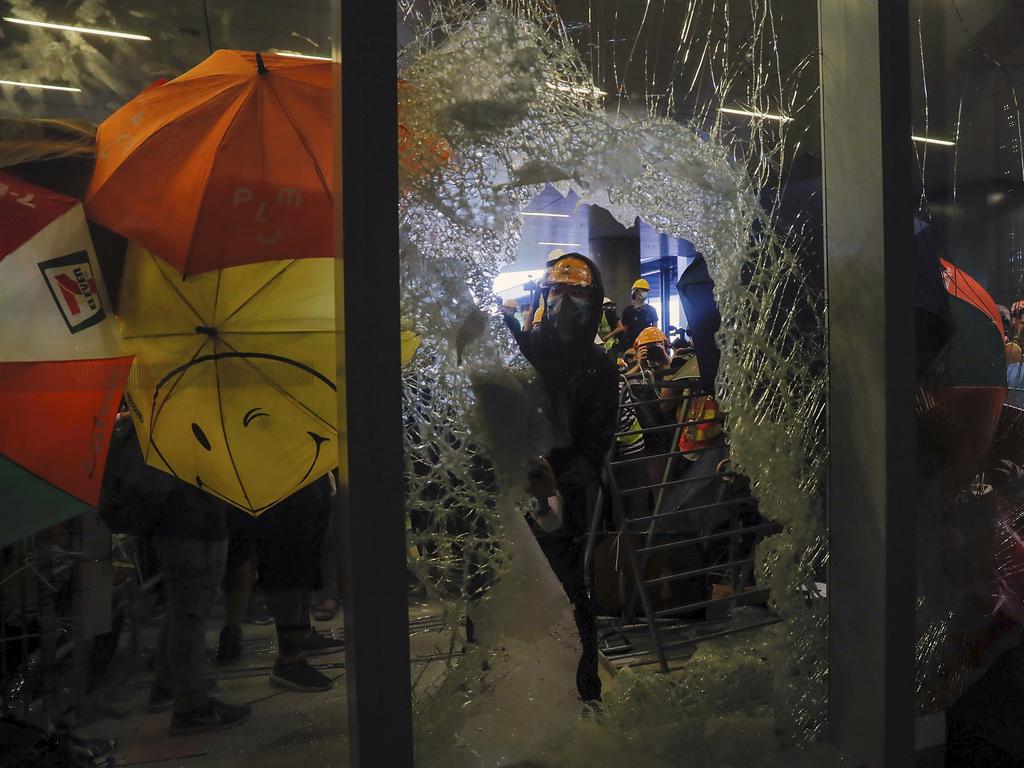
[[694, 436]]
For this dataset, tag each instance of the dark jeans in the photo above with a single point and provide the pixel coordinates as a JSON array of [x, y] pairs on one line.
[[565, 554], [192, 574]]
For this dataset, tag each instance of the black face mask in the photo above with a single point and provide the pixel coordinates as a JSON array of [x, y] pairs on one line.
[[567, 316]]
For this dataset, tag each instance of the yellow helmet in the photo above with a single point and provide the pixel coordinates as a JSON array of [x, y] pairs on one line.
[[650, 336], [641, 285], [538, 315], [569, 271]]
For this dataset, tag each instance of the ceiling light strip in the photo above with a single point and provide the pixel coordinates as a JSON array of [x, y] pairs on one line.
[[41, 85], [82, 30], [296, 55], [939, 142], [568, 245], [542, 213]]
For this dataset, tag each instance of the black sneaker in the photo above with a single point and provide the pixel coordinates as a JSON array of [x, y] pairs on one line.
[[299, 676], [320, 645], [161, 698], [256, 612], [215, 716], [229, 647]]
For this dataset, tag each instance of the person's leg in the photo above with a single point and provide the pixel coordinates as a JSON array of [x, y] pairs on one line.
[[294, 635], [193, 570], [330, 569], [239, 576], [236, 598], [566, 558]]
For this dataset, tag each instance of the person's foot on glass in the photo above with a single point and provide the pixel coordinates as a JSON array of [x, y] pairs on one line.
[[317, 644], [215, 715], [229, 647], [297, 675], [257, 613]]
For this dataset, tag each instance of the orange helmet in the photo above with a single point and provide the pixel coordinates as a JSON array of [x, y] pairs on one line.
[[569, 271], [650, 335]]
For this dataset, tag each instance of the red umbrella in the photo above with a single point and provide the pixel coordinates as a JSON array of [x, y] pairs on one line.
[[62, 370]]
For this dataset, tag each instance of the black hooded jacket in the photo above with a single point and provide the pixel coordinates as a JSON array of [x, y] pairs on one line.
[[582, 388]]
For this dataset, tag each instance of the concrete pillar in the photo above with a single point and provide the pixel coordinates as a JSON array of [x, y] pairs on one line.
[[618, 258], [865, 96]]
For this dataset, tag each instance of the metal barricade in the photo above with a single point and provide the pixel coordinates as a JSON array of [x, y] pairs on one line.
[[724, 531]]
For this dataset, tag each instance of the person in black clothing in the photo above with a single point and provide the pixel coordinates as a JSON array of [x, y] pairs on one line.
[[582, 388], [639, 314], [187, 529], [287, 540]]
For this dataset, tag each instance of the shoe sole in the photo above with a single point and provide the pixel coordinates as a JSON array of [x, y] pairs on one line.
[[280, 682], [320, 651], [191, 730]]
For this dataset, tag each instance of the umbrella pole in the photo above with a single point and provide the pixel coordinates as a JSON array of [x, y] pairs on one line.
[[372, 488]]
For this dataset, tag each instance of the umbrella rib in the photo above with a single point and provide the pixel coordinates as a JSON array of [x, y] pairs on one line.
[[259, 290], [181, 372], [303, 139], [224, 431], [180, 295], [160, 335], [298, 403], [159, 129], [216, 297], [273, 333]]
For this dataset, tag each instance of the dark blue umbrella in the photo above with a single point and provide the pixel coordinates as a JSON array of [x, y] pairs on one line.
[[695, 289]]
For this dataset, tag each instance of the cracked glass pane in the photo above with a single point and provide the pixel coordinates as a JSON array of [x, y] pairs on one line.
[[699, 123]]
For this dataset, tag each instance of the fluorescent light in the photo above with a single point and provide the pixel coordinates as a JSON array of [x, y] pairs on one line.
[[82, 30], [940, 142], [577, 89], [750, 113], [294, 55], [549, 215], [568, 245], [40, 85]]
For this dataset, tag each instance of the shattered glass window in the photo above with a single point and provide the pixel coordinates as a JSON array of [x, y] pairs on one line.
[[698, 121], [967, 62]]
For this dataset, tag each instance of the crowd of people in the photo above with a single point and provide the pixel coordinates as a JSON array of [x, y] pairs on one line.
[[584, 354], [205, 548]]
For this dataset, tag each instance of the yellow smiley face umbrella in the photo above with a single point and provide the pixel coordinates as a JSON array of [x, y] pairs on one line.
[[233, 386]]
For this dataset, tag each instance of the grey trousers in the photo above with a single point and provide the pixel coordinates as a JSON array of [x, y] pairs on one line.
[[330, 560], [192, 575]]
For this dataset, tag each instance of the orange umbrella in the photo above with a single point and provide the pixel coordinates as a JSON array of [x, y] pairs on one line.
[[227, 164], [230, 163]]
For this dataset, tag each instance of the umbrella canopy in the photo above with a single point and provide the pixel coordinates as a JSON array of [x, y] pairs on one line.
[[696, 292], [62, 368], [233, 386], [962, 286], [965, 385], [227, 164]]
